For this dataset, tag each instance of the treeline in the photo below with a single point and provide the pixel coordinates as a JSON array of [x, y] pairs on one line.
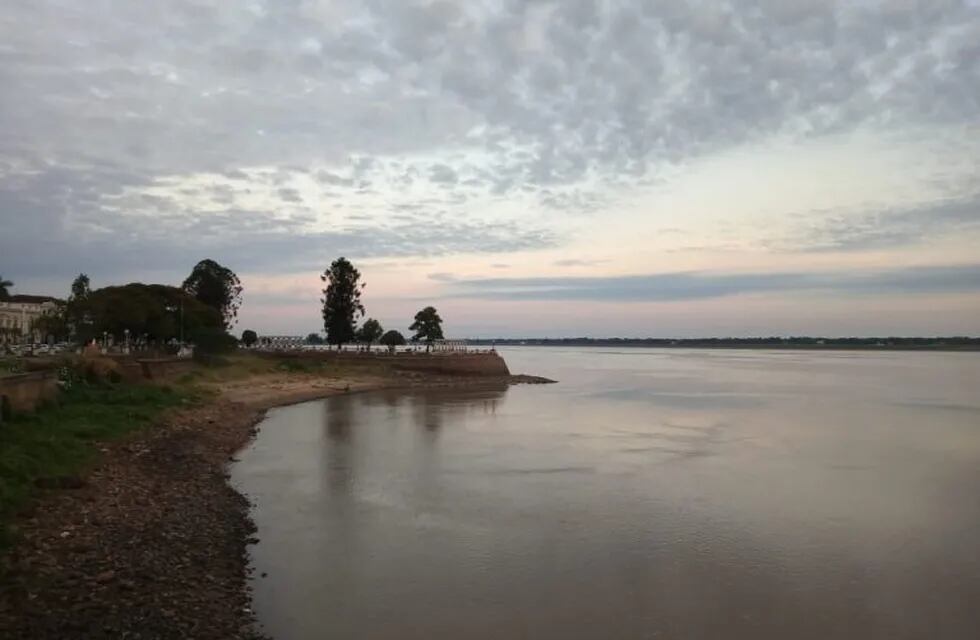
[[201, 310], [342, 308], [952, 342]]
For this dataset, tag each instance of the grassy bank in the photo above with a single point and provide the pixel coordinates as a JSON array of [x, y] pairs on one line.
[[53, 445]]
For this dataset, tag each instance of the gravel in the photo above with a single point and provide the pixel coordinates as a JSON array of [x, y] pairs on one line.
[[152, 543]]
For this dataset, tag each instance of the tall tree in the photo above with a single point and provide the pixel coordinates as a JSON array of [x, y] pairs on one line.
[[341, 301], [5, 286], [371, 332], [216, 286], [81, 286], [77, 315], [427, 326]]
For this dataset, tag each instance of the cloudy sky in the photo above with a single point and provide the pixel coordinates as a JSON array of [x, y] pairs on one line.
[[622, 167]]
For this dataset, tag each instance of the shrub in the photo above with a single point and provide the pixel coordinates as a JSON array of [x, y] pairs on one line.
[[213, 341]]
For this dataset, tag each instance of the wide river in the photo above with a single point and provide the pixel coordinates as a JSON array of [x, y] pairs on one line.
[[650, 494]]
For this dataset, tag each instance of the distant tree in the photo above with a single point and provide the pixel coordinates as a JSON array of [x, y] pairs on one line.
[[216, 286], [212, 341], [341, 301], [81, 287], [52, 324], [5, 286], [392, 339], [249, 337], [76, 310], [427, 326], [155, 312], [314, 338], [370, 332]]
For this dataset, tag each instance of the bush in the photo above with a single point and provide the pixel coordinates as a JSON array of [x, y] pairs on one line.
[[213, 341]]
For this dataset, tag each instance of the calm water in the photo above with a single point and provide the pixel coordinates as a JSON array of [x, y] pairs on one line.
[[650, 494]]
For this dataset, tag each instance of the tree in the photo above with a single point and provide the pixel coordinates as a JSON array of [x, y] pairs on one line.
[[249, 337], [5, 286], [81, 287], [371, 332], [52, 324], [216, 286], [76, 311], [314, 338], [209, 341], [392, 339], [427, 326], [155, 312], [341, 301]]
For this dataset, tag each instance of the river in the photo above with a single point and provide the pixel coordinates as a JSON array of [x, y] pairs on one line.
[[650, 494]]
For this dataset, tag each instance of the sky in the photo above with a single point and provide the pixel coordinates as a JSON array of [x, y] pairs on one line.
[[532, 168]]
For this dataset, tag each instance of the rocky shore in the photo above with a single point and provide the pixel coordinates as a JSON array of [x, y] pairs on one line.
[[152, 541]]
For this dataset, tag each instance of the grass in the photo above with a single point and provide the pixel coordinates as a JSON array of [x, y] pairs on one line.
[[60, 439]]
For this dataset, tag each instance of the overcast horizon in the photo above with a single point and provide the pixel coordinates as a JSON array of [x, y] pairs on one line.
[[532, 169]]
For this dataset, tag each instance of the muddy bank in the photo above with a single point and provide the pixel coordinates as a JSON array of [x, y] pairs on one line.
[[151, 543]]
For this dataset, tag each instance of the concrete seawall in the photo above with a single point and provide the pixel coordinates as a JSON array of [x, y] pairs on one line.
[[484, 363]]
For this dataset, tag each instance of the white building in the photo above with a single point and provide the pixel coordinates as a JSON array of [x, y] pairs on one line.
[[17, 316]]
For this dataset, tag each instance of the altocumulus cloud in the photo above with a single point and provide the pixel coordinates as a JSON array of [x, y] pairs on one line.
[[114, 118], [702, 285]]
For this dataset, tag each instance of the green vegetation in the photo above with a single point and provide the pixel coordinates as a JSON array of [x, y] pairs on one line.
[[341, 301], [158, 312], [314, 338], [392, 339], [249, 337], [60, 439], [216, 286], [5, 286], [427, 326], [371, 332]]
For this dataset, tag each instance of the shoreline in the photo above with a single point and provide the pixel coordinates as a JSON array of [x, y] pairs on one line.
[[153, 539]]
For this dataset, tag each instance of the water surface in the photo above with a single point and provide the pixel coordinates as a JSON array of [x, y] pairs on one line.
[[650, 494]]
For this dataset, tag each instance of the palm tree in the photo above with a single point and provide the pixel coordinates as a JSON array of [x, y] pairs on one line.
[[4, 286]]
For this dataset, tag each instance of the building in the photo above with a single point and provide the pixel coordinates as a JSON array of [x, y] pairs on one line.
[[17, 316]]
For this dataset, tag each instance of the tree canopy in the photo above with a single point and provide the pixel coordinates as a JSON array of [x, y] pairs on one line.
[[218, 287], [155, 311], [75, 310], [249, 337], [370, 332], [392, 339], [341, 301], [427, 326], [5, 286], [314, 338]]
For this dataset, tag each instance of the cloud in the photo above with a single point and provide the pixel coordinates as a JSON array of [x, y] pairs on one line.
[[705, 285], [553, 104], [889, 228], [578, 262]]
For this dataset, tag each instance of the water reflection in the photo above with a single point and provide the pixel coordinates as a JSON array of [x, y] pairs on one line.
[[822, 508]]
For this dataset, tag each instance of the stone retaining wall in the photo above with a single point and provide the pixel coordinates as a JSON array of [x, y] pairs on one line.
[[25, 391], [165, 368], [483, 363]]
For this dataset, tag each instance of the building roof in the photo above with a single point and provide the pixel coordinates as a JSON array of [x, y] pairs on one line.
[[27, 299]]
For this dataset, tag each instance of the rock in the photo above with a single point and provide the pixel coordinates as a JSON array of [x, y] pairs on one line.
[[105, 576]]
